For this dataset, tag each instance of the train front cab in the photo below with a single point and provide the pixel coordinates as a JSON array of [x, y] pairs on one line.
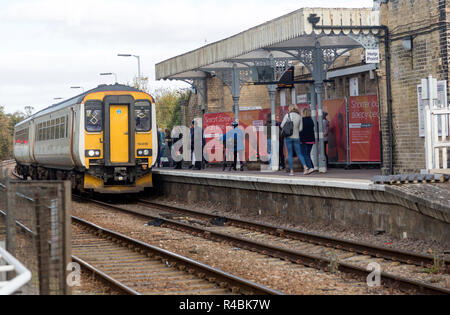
[[119, 133]]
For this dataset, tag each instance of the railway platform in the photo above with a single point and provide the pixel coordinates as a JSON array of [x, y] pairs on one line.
[[348, 198]]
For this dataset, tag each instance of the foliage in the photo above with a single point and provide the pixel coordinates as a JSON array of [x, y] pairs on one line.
[[7, 123], [168, 103], [168, 107]]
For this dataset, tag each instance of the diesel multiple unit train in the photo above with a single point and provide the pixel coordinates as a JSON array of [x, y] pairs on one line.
[[104, 140]]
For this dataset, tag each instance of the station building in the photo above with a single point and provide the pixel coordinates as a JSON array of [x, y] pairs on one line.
[[417, 46]]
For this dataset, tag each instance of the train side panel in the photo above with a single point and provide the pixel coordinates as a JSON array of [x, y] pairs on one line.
[[23, 140], [52, 141]]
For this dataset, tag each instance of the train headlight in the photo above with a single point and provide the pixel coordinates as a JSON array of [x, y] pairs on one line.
[[144, 152], [93, 153]]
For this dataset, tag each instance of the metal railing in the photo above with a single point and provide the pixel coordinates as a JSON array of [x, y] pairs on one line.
[[437, 140], [23, 275]]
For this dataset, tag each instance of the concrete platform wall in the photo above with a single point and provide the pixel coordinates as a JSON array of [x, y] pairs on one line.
[[369, 209]]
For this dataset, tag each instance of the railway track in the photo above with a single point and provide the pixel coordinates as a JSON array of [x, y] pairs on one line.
[[136, 268], [274, 243], [245, 227]]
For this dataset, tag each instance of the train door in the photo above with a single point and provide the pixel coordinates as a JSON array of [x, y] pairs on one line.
[[119, 134]]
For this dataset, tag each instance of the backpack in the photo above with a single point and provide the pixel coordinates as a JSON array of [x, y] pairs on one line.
[[288, 129]]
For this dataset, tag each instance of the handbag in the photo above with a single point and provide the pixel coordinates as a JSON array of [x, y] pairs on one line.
[[288, 129]]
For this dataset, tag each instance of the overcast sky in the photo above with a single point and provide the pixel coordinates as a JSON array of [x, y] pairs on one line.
[[47, 46]]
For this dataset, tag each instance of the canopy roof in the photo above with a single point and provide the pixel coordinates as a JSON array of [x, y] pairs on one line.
[[277, 37]]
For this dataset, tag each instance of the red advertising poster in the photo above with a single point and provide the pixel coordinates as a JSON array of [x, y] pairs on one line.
[[337, 137], [364, 126], [219, 123]]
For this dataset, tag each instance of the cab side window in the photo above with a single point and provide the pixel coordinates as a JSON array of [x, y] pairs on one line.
[[94, 116], [143, 116]]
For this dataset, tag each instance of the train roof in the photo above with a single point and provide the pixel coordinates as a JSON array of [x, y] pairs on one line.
[[79, 98]]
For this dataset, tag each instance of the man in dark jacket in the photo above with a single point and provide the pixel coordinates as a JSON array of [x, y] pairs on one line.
[[235, 140], [196, 134]]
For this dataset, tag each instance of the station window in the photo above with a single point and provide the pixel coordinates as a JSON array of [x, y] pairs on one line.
[[142, 113], [94, 116]]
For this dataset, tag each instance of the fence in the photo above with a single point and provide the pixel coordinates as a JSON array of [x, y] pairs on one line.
[[37, 224]]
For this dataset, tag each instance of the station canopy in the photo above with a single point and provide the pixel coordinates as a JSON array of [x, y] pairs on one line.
[[291, 38]]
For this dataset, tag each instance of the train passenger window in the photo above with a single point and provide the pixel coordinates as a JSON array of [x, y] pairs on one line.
[[21, 137], [94, 116], [57, 127], [62, 128], [47, 132], [67, 126], [142, 113]]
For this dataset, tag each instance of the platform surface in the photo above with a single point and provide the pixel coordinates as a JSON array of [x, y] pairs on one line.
[[354, 179]]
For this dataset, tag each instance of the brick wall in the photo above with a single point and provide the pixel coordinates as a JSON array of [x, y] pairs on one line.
[[429, 55]]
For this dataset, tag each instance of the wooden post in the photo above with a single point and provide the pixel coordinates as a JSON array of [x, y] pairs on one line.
[[10, 218], [66, 215], [43, 250]]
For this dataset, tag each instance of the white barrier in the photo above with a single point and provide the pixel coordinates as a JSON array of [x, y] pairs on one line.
[[23, 275], [437, 140]]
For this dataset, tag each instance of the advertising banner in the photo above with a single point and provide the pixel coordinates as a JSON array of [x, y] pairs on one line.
[[337, 136], [364, 126], [217, 124]]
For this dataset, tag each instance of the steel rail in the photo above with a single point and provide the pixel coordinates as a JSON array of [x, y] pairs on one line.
[[298, 257], [246, 287], [313, 238], [104, 277]]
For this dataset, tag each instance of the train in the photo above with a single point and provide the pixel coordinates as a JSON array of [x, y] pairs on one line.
[[103, 140]]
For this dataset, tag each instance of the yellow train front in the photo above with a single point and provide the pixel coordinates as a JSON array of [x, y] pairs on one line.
[[104, 140]]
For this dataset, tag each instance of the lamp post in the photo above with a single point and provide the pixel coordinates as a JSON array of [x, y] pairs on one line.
[[139, 62], [110, 73]]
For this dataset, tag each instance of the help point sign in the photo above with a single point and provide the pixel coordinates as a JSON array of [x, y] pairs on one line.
[[372, 56]]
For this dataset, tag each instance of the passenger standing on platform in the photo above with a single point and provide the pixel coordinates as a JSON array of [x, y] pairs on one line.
[[326, 131], [196, 135], [292, 142], [268, 131], [179, 153], [281, 152], [161, 147], [235, 140], [168, 142], [307, 141]]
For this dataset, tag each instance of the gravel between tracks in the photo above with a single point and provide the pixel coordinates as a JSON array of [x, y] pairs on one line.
[[273, 273], [347, 233]]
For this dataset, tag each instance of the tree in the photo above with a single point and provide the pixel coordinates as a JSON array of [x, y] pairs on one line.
[[29, 111], [168, 103], [168, 107], [5, 136], [14, 119]]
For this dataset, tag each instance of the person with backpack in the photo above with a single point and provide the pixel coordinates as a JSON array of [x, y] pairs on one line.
[[307, 141], [291, 126]]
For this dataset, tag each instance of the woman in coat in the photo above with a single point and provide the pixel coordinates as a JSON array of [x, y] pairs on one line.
[[292, 142], [307, 141]]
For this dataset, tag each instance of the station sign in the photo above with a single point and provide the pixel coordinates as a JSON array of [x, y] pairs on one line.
[[373, 56]]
